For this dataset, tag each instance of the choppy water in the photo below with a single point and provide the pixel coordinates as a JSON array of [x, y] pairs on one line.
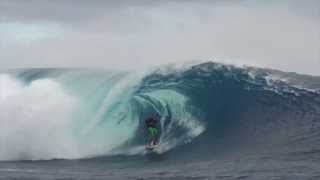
[[264, 167]]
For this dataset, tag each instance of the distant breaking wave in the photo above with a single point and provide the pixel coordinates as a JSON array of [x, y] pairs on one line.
[[77, 113]]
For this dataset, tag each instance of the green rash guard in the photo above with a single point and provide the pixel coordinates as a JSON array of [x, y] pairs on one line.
[[153, 132]]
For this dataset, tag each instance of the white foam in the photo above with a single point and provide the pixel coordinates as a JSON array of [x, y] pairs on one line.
[[35, 120]]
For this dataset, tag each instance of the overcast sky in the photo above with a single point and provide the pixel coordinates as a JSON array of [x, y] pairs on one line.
[[282, 34]]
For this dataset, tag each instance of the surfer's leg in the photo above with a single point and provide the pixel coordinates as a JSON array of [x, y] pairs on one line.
[[151, 138], [154, 136]]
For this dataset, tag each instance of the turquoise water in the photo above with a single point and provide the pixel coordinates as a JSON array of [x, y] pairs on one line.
[[216, 121]]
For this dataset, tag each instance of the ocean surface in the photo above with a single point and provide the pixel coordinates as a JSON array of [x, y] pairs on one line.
[[217, 121]]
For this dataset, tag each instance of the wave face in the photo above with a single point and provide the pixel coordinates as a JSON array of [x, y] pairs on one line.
[[71, 114]]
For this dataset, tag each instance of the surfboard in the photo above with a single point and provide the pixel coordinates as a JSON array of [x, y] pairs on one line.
[[152, 148]]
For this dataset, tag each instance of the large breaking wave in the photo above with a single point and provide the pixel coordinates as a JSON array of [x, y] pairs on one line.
[[71, 114]]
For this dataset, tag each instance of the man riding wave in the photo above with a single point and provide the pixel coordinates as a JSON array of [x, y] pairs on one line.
[[151, 124]]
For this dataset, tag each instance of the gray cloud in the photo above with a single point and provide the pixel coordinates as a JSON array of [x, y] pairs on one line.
[[126, 34], [73, 11], [70, 11]]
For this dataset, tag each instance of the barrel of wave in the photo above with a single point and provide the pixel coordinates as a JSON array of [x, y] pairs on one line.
[[178, 123]]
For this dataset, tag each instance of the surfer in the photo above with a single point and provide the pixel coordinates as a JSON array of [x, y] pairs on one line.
[[151, 124]]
